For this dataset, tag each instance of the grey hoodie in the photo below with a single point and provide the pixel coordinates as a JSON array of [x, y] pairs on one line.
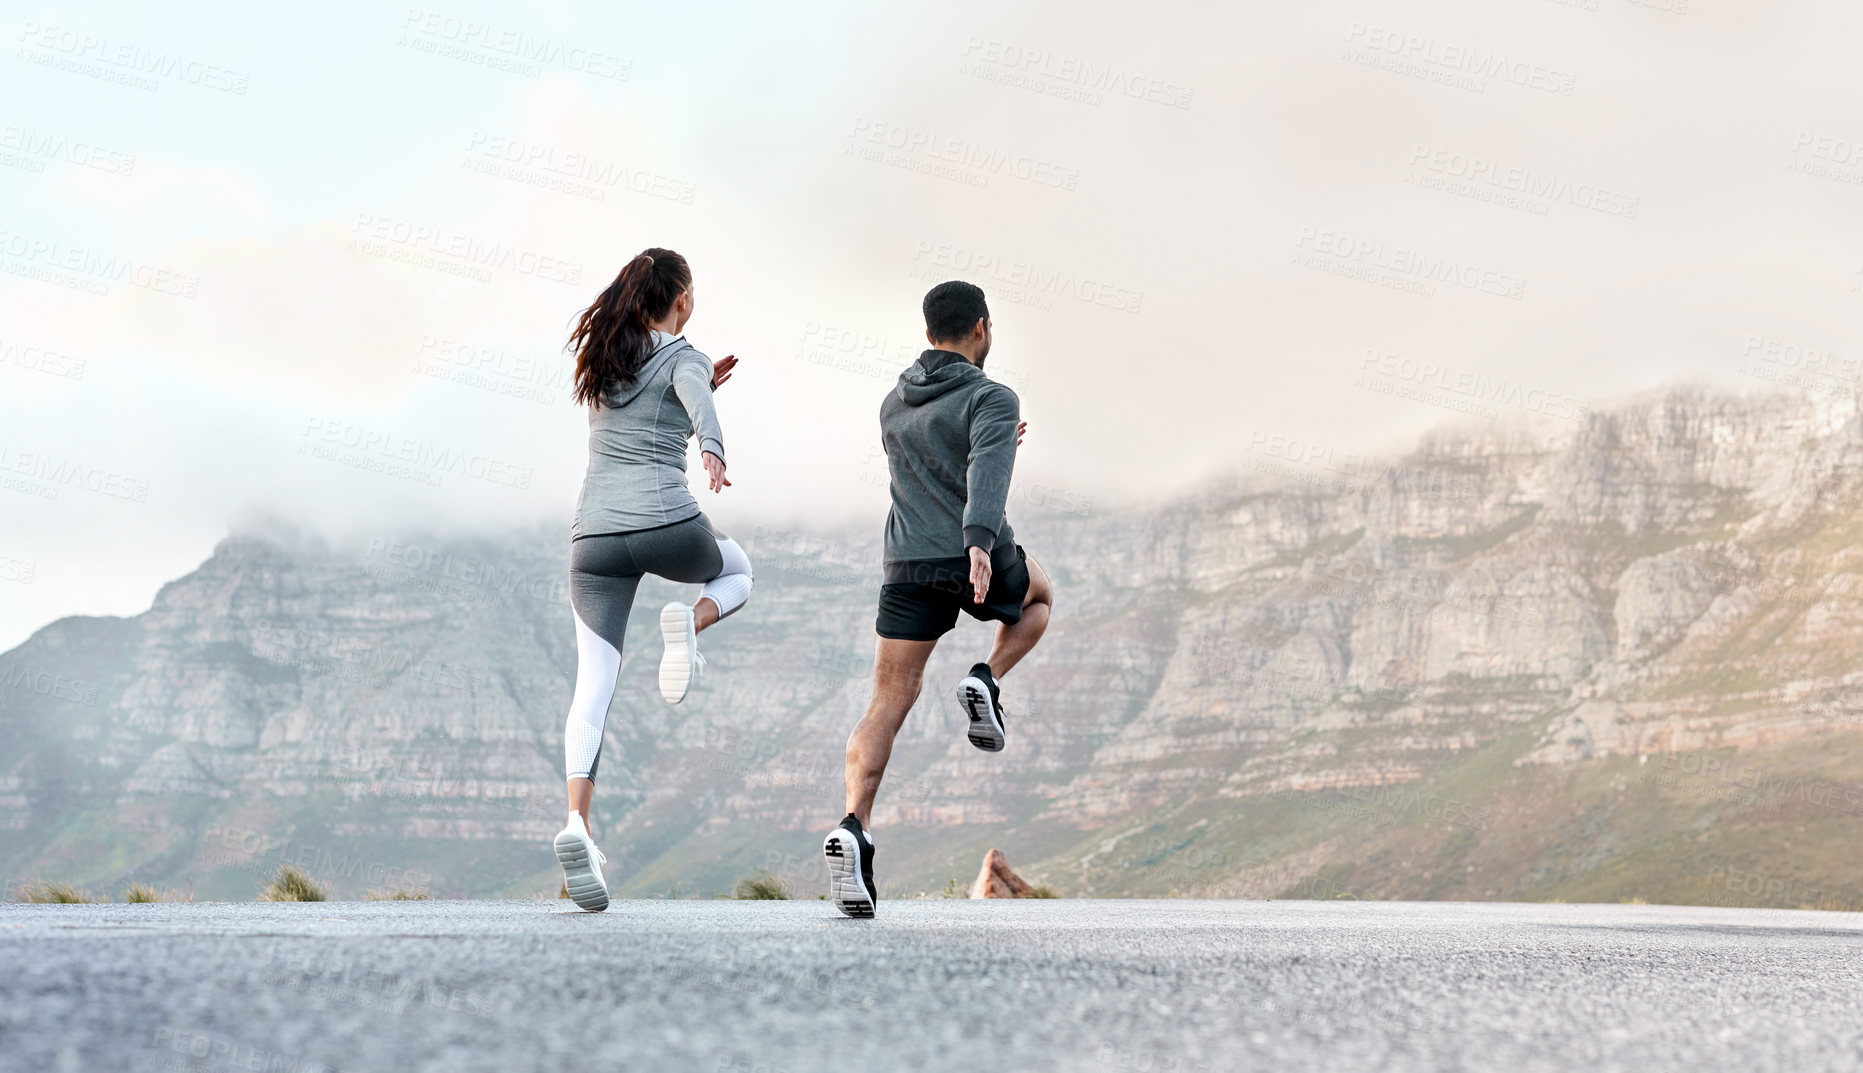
[[637, 444], [950, 438]]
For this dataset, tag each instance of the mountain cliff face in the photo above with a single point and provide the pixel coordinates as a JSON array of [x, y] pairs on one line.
[[1599, 660]]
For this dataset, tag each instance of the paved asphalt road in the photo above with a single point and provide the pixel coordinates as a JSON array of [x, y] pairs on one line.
[[761, 987]]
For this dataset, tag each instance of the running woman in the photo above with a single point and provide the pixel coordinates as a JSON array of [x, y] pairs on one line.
[[648, 391], [950, 434]]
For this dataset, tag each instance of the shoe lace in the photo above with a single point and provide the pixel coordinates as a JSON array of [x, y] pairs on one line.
[[598, 856], [698, 661]]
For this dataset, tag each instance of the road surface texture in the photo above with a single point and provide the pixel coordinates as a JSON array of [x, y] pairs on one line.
[[763, 987]]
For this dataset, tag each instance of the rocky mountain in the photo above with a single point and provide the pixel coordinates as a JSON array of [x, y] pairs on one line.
[[1602, 659]]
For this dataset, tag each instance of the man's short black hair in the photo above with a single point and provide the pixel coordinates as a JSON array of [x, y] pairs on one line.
[[952, 309]]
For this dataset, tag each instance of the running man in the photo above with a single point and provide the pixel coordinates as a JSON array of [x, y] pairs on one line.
[[950, 434], [648, 392]]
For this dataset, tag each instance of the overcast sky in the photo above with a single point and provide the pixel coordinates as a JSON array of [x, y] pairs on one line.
[[321, 265]]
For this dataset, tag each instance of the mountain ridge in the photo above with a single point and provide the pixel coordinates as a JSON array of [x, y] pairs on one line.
[[1476, 670]]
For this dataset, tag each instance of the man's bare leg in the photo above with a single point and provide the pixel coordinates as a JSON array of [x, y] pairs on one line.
[[1014, 641], [898, 674]]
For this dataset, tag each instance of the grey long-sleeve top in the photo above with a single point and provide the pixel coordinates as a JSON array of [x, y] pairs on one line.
[[637, 444], [950, 437]]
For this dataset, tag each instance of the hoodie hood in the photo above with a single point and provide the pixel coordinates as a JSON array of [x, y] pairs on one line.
[[936, 373], [619, 396]]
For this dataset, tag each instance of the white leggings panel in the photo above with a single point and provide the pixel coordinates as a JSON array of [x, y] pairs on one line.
[[731, 587], [597, 664]]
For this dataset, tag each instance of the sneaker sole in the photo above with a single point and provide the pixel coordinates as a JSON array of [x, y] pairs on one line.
[[986, 730], [585, 888], [676, 662], [844, 883]]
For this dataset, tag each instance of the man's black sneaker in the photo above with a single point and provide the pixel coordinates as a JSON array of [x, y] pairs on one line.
[[849, 853], [978, 696]]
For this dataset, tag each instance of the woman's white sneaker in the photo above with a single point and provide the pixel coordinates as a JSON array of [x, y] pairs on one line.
[[681, 662], [582, 866]]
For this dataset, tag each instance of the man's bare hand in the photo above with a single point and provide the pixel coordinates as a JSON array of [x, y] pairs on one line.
[[1021, 427], [979, 573], [715, 469], [721, 370]]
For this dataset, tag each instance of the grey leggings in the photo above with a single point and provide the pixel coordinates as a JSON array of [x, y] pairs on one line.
[[604, 573]]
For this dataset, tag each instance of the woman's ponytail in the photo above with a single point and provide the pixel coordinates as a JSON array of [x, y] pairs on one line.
[[613, 337]]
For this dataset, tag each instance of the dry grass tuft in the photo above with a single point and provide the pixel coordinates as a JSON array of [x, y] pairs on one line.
[[292, 885], [142, 892], [41, 892], [399, 894], [762, 886]]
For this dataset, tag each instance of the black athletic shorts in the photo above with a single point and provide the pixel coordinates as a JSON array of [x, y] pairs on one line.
[[920, 601]]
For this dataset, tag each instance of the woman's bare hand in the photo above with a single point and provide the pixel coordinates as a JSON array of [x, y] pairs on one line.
[[715, 469], [721, 370]]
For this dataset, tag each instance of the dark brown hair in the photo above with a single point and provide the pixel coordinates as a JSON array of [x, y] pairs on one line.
[[612, 339], [952, 309]]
